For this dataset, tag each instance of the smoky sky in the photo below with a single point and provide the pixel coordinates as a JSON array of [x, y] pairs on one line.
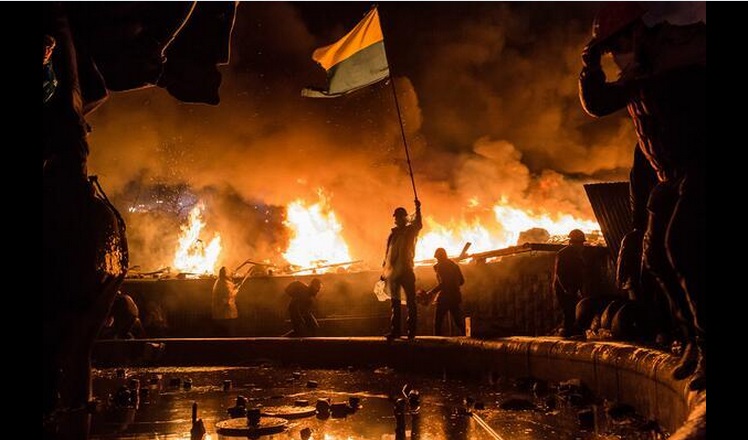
[[488, 93]]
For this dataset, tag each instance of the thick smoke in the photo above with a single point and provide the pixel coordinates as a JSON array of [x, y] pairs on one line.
[[489, 99]]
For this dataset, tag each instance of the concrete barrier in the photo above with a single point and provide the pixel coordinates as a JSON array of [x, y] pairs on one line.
[[622, 372]]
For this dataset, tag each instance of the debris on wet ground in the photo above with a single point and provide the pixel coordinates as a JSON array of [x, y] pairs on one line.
[[339, 409], [305, 433], [586, 418], [323, 405], [239, 409], [289, 411], [575, 393], [551, 402], [384, 370], [517, 404], [426, 408], [619, 411], [540, 388]]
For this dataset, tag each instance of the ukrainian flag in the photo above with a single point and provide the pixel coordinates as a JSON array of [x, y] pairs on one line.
[[355, 61]]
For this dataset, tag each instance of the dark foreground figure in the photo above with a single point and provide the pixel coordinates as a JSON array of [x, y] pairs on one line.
[[88, 50], [663, 86]]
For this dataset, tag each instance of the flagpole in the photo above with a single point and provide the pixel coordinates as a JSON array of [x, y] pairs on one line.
[[399, 118], [402, 132]]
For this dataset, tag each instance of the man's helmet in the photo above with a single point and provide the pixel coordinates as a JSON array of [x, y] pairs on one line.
[[400, 212], [614, 17], [440, 254], [576, 236]]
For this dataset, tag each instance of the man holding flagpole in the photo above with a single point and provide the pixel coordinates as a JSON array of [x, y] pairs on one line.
[[398, 268], [353, 62]]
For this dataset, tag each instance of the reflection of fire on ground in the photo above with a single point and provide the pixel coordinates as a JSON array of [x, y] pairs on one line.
[[317, 239]]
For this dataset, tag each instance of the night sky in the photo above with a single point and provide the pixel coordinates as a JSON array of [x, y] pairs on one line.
[[488, 92]]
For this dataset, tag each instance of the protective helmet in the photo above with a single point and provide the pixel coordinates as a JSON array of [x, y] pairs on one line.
[[613, 17], [440, 253], [400, 212], [576, 236]]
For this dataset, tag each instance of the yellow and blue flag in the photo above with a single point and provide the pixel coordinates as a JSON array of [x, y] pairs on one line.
[[355, 61]]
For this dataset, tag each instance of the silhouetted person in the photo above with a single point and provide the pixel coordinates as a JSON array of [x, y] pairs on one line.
[[123, 321], [568, 279], [449, 276], [154, 320], [85, 254], [663, 86], [398, 268], [224, 311], [301, 307], [664, 319]]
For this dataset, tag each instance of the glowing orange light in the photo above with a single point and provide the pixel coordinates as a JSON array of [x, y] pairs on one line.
[[485, 235], [315, 234], [192, 254]]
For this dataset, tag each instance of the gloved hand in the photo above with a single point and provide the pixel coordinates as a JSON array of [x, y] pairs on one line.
[[382, 278], [418, 204], [591, 56]]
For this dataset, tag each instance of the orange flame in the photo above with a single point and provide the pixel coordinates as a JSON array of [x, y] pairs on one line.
[[510, 222], [192, 255], [516, 220], [315, 234]]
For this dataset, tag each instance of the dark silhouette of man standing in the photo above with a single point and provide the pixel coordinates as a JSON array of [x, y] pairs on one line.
[[663, 86], [568, 279], [224, 312], [398, 268], [450, 278]]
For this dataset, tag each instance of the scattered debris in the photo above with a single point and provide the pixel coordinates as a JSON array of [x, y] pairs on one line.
[[619, 411], [305, 433], [517, 404], [586, 418], [339, 409]]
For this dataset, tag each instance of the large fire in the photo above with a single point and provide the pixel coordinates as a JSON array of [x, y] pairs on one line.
[[504, 232], [317, 243], [192, 255], [315, 235]]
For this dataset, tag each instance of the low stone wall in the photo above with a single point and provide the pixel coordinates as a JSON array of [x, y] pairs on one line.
[[508, 297], [634, 375]]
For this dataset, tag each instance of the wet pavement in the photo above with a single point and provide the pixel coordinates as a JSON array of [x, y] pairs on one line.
[[459, 409]]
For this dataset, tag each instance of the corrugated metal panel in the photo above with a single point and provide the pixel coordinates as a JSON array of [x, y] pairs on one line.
[[610, 203]]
